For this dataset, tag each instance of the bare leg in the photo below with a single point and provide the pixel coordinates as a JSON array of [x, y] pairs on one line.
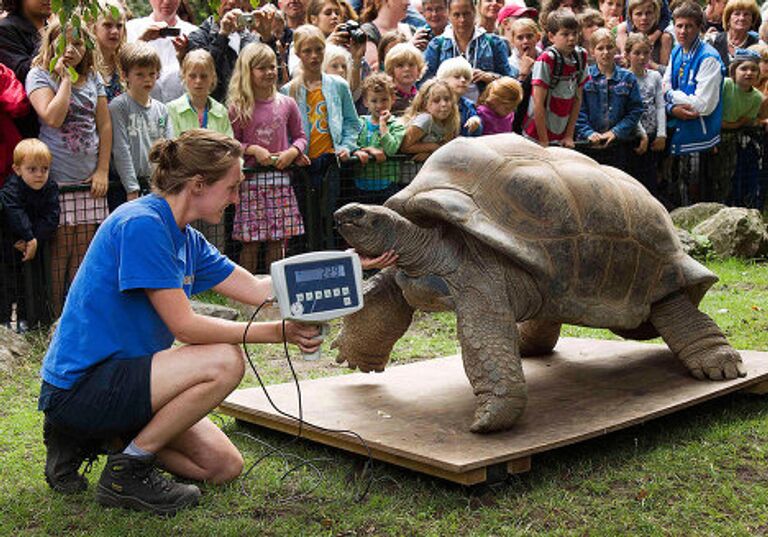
[[187, 383], [203, 453], [61, 248], [275, 252], [249, 256], [696, 339], [538, 337]]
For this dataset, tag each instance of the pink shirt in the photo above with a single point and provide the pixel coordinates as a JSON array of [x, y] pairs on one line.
[[493, 123], [274, 124]]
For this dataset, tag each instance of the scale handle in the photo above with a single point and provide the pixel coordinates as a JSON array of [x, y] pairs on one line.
[[325, 329]]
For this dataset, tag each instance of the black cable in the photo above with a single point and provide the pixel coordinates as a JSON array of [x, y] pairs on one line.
[[368, 466]]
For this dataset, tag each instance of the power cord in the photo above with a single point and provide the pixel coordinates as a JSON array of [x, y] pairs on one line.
[[367, 467]]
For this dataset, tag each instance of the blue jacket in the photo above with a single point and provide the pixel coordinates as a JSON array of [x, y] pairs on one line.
[[702, 133], [467, 109], [487, 52], [610, 104], [343, 121]]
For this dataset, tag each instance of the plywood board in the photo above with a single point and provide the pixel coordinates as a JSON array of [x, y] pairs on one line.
[[418, 415]]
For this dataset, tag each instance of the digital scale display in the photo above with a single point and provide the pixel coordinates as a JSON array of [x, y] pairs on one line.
[[318, 286]]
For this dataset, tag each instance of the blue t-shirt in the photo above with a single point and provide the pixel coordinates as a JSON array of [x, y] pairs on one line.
[[107, 313]]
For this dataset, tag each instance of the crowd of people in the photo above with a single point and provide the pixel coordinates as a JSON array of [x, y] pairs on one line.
[[673, 93]]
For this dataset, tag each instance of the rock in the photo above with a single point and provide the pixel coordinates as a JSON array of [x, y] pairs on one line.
[[697, 246], [691, 216], [736, 232], [215, 310], [13, 348]]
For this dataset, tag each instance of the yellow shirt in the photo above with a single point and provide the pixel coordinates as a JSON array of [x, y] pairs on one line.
[[320, 140]]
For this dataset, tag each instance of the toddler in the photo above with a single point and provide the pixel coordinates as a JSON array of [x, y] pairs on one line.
[[457, 72], [431, 120], [380, 137], [29, 217], [497, 104]]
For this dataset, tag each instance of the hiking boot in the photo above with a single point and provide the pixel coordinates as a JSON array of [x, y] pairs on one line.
[[65, 453], [136, 483]]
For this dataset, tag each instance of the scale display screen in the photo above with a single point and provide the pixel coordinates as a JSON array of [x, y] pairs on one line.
[[318, 286]]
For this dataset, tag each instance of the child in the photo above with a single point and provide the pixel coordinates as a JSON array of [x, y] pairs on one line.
[[612, 106], [110, 36], [642, 165], [30, 215], [557, 80], [457, 72], [75, 125], [380, 137], [496, 105], [644, 18], [589, 21], [735, 177], [138, 120], [330, 122], [338, 61], [268, 125], [612, 12], [525, 35], [432, 120], [196, 109], [404, 64]]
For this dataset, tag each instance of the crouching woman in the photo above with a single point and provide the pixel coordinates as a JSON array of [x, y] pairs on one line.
[[111, 370]]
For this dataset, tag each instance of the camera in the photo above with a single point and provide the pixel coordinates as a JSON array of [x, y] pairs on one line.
[[169, 32], [356, 34], [429, 32], [245, 20]]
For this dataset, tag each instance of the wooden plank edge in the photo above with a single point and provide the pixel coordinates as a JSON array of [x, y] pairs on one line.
[[469, 477]]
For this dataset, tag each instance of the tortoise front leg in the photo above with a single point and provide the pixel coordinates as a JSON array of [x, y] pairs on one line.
[[490, 351], [367, 336], [696, 339]]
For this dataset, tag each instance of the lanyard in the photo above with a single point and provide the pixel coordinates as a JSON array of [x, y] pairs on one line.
[[204, 120]]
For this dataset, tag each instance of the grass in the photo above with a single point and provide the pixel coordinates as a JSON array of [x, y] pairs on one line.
[[702, 471]]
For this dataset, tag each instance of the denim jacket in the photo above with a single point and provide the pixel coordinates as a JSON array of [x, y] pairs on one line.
[[610, 104], [487, 52], [343, 121]]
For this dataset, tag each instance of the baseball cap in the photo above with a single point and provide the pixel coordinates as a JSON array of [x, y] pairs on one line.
[[514, 10]]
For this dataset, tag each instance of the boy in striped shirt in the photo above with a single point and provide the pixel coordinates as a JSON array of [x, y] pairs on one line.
[[558, 76]]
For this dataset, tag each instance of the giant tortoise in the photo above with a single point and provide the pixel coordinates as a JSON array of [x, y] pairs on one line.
[[504, 231]]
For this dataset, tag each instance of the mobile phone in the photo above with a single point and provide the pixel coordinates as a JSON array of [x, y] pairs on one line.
[[169, 32]]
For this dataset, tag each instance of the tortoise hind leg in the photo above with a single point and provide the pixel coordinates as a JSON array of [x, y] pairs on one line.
[[695, 338], [489, 350], [538, 337], [367, 336]]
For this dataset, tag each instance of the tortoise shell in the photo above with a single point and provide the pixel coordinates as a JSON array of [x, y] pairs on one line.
[[601, 248]]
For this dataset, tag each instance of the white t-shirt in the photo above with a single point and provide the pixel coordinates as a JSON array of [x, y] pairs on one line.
[[169, 86]]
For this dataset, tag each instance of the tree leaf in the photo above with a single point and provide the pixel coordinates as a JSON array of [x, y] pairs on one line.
[[76, 21], [255, 4], [54, 61], [55, 6], [61, 44], [73, 74], [114, 13]]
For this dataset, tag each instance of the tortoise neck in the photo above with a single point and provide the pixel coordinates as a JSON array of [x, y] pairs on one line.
[[424, 251]]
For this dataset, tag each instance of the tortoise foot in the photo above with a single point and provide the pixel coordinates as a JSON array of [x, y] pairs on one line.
[[495, 413], [719, 363]]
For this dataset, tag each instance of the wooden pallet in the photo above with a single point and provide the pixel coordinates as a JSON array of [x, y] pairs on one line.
[[418, 415]]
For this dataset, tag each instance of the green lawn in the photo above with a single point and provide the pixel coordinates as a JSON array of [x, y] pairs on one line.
[[702, 471]]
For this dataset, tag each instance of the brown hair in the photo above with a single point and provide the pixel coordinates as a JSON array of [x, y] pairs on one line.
[[199, 153], [378, 83], [387, 43], [550, 6], [314, 7], [506, 89], [31, 150], [590, 17], [48, 49], [636, 38], [690, 10], [138, 54], [561, 19]]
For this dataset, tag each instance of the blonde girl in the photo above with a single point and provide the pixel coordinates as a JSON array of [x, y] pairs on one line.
[[75, 125], [330, 123], [196, 109], [110, 37], [268, 126], [497, 105], [431, 121]]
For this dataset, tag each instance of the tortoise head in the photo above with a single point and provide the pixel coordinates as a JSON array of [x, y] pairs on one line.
[[370, 229]]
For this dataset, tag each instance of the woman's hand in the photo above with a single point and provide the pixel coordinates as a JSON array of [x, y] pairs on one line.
[[99, 182], [305, 336], [479, 75]]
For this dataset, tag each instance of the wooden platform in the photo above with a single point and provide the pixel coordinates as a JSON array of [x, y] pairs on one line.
[[418, 415]]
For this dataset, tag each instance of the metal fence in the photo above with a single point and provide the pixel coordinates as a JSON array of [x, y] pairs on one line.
[[280, 213]]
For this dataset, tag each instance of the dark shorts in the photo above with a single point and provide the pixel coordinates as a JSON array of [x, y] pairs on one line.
[[111, 399]]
